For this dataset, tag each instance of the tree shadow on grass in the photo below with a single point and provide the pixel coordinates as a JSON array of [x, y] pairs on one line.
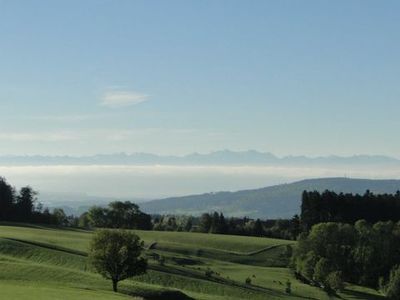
[[161, 295], [45, 227], [47, 246], [362, 296]]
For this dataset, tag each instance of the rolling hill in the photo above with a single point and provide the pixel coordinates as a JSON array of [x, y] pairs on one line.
[[279, 201], [39, 262]]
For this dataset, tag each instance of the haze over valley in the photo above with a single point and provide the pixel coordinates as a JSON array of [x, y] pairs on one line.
[[142, 176], [76, 183]]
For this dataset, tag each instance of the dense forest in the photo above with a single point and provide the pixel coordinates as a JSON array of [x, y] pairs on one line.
[[363, 253], [329, 206]]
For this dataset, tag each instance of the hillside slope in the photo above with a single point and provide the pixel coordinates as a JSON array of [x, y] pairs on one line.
[[280, 201], [38, 262]]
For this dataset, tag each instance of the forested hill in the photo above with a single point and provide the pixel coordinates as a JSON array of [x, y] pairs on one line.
[[280, 201]]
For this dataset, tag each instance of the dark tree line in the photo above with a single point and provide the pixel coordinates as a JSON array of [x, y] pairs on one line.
[[282, 228], [217, 223], [348, 208], [22, 206]]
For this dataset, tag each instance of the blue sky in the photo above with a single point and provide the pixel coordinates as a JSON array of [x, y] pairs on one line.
[[173, 77]]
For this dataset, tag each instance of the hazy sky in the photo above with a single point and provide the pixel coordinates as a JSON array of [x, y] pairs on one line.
[[172, 77]]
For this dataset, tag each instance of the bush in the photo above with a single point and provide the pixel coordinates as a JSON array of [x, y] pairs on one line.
[[248, 281], [393, 287], [161, 260], [322, 270], [305, 264], [334, 281], [382, 285], [209, 273], [288, 289]]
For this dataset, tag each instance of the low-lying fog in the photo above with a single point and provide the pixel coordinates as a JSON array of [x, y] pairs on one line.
[[156, 181]]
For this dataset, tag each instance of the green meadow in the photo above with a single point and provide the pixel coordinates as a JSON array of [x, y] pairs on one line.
[[50, 263]]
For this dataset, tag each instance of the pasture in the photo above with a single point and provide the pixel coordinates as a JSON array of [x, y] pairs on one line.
[[50, 263]]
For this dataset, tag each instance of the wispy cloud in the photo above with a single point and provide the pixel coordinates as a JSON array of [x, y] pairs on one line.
[[115, 99], [71, 118]]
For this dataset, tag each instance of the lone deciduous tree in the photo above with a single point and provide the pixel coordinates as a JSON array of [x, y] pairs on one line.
[[116, 255]]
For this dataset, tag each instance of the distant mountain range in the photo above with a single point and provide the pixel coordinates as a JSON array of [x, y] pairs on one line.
[[225, 157], [280, 201]]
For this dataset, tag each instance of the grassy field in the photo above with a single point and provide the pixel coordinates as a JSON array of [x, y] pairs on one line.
[[14, 290], [50, 263]]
